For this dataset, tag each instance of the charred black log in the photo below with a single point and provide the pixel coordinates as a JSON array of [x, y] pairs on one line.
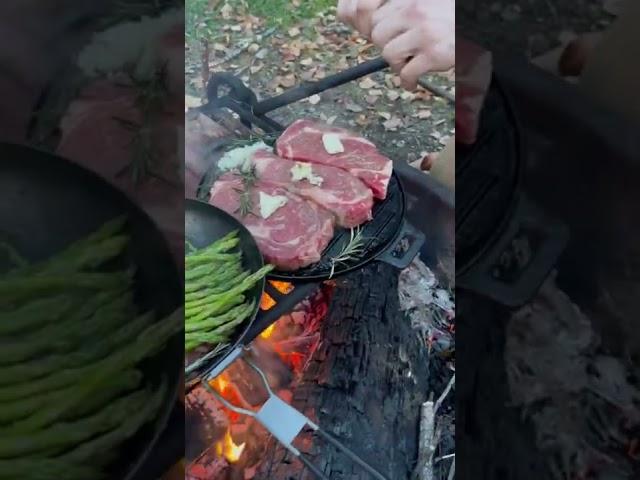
[[364, 384]]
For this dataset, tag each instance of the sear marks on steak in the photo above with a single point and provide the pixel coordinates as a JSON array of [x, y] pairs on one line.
[[339, 192], [293, 237], [303, 140]]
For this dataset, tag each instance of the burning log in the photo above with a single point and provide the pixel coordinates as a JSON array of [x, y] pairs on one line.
[[364, 384]]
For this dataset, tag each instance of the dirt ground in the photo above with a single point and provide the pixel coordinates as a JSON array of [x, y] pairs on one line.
[[271, 58]]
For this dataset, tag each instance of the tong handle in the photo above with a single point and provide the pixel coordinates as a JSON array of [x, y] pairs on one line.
[[306, 90]]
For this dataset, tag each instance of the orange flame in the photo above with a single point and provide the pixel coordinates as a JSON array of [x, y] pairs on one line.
[[228, 449], [282, 287], [268, 331], [267, 302]]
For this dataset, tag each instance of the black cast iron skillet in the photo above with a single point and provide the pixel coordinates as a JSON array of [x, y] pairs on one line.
[[388, 237], [203, 225], [48, 203]]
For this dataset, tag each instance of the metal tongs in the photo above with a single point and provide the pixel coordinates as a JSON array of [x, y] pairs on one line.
[[285, 422]]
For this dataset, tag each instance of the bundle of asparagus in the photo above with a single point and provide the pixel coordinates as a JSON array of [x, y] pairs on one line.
[[71, 391], [215, 292]]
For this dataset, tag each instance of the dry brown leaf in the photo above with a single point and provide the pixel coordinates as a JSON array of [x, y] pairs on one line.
[[286, 81], [294, 32], [362, 120], [314, 99], [306, 62], [236, 28], [308, 75], [423, 114], [253, 48], [191, 102], [256, 68], [226, 11], [393, 95], [319, 74], [352, 106], [371, 99], [408, 96], [368, 83], [422, 94], [219, 47], [262, 53], [375, 92], [385, 115], [392, 124]]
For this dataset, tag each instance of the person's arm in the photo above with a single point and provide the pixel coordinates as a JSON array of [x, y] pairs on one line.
[[415, 36]]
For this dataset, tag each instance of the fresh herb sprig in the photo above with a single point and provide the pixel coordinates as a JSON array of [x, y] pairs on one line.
[[249, 178], [352, 249]]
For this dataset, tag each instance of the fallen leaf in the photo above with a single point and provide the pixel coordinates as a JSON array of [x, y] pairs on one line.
[[422, 95], [392, 124], [375, 92], [362, 120], [253, 48], [319, 74], [294, 32], [262, 53], [191, 102], [352, 106], [385, 115], [314, 99], [236, 28], [219, 47], [368, 83], [444, 140], [331, 119], [226, 11], [393, 95], [306, 62], [371, 99], [256, 68], [286, 81], [407, 96], [423, 114]]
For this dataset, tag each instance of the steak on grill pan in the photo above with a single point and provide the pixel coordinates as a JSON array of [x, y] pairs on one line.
[[303, 140]]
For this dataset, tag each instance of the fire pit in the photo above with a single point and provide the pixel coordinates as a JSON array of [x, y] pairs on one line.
[[342, 353]]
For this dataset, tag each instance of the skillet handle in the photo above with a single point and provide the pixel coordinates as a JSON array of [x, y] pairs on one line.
[[404, 248]]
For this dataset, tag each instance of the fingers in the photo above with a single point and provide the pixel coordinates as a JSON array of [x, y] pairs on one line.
[[412, 71], [399, 50], [359, 13], [384, 32]]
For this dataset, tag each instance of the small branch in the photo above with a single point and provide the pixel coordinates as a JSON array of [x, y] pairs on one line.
[[436, 90], [445, 393], [452, 470]]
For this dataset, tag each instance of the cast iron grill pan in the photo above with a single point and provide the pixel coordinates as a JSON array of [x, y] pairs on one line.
[[488, 174], [378, 234]]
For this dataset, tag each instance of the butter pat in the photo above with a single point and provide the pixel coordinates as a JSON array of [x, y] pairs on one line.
[[302, 171], [332, 143], [270, 203], [239, 158]]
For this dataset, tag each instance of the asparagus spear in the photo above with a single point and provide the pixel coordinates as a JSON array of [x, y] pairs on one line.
[[215, 321], [63, 435], [32, 315], [225, 278]]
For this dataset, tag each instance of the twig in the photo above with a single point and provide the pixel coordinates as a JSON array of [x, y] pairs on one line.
[[436, 90], [452, 470], [243, 46], [430, 432]]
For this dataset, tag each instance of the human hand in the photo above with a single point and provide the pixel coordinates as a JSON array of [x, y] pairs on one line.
[[415, 36], [358, 14]]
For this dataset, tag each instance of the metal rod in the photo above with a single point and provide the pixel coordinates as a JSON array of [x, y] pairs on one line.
[[355, 458], [309, 89], [312, 468]]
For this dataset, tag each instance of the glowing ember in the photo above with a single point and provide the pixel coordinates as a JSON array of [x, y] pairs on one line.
[[268, 331], [228, 449], [267, 302], [282, 287]]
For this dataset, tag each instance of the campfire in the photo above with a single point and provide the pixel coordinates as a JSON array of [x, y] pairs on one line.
[[282, 351]]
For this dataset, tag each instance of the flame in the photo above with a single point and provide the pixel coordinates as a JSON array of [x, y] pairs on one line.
[[220, 383], [268, 331], [282, 287], [228, 449], [267, 302]]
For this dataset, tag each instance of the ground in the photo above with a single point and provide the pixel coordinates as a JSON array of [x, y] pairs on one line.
[[274, 45], [533, 27]]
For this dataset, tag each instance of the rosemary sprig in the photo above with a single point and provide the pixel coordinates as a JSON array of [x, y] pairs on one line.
[[246, 203], [350, 251], [150, 100]]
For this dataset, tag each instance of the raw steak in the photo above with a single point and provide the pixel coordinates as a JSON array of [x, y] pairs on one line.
[[303, 141], [293, 237], [339, 192]]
